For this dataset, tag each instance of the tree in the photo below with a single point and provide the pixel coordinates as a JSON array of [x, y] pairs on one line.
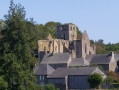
[[0, 26], [3, 83], [79, 34], [16, 47], [95, 80], [49, 87], [100, 41], [52, 28], [114, 76], [109, 79]]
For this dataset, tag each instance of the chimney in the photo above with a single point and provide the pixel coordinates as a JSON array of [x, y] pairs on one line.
[[111, 54]]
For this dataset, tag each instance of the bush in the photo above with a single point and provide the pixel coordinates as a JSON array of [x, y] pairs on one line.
[[95, 80], [49, 87], [109, 79]]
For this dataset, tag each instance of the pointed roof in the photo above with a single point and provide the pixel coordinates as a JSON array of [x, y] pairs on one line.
[[43, 69], [49, 37]]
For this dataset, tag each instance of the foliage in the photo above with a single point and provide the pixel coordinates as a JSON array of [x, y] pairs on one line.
[[79, 34], [57, 89], [102, 48], [52, 28], [16, 46], [116, 85], [41, 32], [49, 87], [109, 79], [0, 26], [114, 75], [95, 80], [3, 83]]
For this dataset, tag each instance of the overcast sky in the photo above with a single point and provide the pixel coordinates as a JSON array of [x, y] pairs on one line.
[[100, 18]]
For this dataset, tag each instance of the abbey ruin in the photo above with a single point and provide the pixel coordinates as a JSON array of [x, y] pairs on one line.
[[66, 62]]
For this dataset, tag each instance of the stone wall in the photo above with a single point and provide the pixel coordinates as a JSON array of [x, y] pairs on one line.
[[67, 32], [54, 45]]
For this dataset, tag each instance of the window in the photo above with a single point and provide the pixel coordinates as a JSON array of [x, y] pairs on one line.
[[74, 28], [86, 48], [40, 77], [71, 27], [43, 77]]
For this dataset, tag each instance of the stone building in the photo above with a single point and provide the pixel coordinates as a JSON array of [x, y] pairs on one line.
[[67, 52], [67, 32], [107, 61], [41, 72], [66, 42], [73, 78]]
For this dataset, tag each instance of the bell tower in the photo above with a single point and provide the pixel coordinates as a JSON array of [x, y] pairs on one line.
[[67, 32]]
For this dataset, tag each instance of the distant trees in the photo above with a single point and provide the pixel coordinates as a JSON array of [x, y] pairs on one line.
[[52, 28], [102, 48], [95, 80]]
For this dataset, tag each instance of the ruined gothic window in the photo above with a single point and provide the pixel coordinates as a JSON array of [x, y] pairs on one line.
[[61, 28], [85, 48], [64, 36], [73, 28], [56, 48]]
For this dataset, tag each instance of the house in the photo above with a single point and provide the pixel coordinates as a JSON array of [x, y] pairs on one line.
[[73, 78], [107, 62], [41, 72], [57, 60]]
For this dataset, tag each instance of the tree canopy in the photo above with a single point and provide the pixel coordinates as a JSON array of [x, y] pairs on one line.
[[16, 46]]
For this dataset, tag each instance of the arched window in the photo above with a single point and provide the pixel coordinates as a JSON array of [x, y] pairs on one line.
[[74, 28], [85, 48], [71, 27]]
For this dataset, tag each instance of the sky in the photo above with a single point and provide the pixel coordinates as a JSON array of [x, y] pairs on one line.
[[100, 18]]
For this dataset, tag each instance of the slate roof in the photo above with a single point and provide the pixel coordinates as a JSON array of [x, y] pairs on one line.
[[79, 62], [43, 69], [63, 72], [89, 58], [101, 59], [56, 58], [116, 56]]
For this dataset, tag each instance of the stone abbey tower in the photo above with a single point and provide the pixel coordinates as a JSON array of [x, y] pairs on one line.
[[66, 42], [67, 32]]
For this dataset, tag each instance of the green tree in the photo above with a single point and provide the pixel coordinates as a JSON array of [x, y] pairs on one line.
[[16, 47], [79, 34], [41, 32], [49, 87], [0, 26], [95, 80], [109, 79], [3, 83], [52, 28]]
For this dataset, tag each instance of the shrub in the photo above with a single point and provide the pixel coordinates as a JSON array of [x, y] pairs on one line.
[[95, 80], [49, 87]]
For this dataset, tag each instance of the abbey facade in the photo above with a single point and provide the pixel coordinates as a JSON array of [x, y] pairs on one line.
[[66, 42]]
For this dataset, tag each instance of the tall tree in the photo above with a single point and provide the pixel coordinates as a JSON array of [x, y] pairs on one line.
[[16, 45]]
